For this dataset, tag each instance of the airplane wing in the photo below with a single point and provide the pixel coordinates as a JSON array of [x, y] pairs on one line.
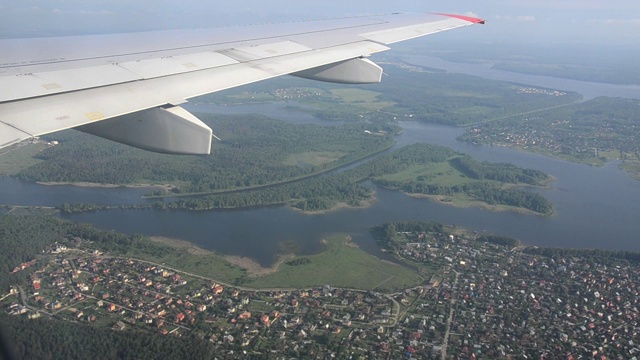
[[129, 87]]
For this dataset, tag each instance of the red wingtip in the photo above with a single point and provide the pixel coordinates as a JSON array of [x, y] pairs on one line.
[[466, 18]]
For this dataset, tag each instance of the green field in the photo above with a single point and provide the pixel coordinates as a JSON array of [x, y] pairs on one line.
[[342, 264], [204, 263], [359, 97], [314, 158], [441, 174], [17, 158]]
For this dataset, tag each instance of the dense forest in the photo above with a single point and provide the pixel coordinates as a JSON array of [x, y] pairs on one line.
[[324, 192], [44, 339], [502, 172], [321, 193], [255, 151]]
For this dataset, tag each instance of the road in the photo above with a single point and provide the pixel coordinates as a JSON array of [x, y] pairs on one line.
[[445, 342]]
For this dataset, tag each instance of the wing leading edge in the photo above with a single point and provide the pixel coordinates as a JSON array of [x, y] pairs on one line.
[[128, 87]]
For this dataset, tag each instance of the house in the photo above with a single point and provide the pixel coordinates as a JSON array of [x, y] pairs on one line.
[[179, 317], [245, 315]]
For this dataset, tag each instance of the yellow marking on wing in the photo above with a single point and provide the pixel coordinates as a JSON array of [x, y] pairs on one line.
[[51, 86], [96, 115]]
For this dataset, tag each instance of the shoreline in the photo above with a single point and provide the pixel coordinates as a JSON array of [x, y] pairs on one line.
[[440, 199], [539, 151], [341, 205], [252, 267], [166, 187], [180, 244]]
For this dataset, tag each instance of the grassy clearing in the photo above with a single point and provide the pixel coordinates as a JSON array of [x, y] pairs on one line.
[[463, 201], [435, 173], [314, 158], [17, 158], [363, 98], [342, 264], [467, 94], [181, 255]]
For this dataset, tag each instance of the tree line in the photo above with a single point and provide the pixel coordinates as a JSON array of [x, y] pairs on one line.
[[323, 192], [255, 151], [600, 254], [502, 172], [51, 339], [483, 190]]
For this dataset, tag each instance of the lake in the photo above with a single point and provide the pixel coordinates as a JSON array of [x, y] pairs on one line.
[[596, 207]]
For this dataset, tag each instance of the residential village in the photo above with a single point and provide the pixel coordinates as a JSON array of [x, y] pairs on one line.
[[486, 302]]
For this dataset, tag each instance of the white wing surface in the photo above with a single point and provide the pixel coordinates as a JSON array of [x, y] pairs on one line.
[[128, 87]]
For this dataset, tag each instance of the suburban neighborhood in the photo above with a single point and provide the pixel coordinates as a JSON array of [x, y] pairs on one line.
[[489, 301]]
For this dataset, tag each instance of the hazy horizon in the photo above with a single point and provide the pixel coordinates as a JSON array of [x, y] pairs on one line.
[[571, 21]]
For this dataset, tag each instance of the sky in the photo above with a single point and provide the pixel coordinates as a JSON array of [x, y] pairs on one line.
[[536, 21]]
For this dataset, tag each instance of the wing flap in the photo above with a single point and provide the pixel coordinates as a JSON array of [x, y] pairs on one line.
[[265, 51], [54, 82], [148, 69]]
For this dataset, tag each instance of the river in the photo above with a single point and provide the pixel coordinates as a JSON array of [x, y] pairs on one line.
[[596, 207], [588, 89]]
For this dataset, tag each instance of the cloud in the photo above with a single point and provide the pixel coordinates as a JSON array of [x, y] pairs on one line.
[[82, 12], [526, 18], [520, 18], [616, 22], [471, 14]]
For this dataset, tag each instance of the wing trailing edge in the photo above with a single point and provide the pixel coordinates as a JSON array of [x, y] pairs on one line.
[[125, 87]]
